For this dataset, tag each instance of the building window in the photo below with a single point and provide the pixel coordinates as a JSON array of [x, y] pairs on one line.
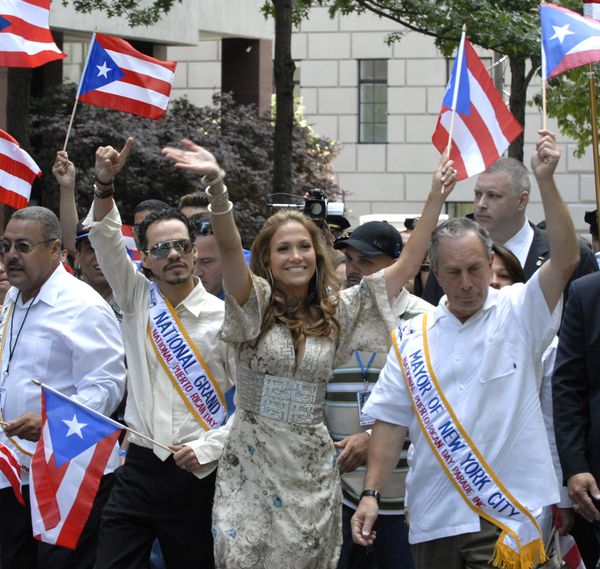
[[372, 100]]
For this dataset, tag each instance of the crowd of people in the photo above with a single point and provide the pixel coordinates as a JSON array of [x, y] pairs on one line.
[[386, 401]]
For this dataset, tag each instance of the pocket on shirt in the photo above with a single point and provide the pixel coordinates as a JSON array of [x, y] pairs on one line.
[[498, 360]]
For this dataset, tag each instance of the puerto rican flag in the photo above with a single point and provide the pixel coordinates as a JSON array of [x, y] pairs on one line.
[[10, 467], [130, 246], [25, 38], [570, 552], [483, 125], [568, 40], [119, 77], [17, 172], [67, 467]]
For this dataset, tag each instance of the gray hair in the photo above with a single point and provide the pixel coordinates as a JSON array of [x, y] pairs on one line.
[[458, 227], [520, 181], [49, 224]]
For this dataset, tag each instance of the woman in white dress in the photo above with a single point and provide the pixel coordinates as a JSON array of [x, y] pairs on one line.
[[278, 497]]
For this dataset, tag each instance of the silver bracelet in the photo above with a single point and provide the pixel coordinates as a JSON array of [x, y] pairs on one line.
[[218, 178], [218, 199], [224, 212]]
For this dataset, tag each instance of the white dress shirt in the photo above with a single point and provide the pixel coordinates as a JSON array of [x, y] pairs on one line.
[[487, 368], [520, 243], [71, 341], [154, 407]]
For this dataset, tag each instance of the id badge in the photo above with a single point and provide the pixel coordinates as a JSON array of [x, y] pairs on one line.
[[2, 397], [361, 398]]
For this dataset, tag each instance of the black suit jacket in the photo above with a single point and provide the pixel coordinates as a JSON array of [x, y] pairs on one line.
[[539, 252], [576, 381]]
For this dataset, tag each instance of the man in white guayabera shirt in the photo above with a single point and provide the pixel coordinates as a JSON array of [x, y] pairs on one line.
[[177, 388], [463, 380], [58, 329]]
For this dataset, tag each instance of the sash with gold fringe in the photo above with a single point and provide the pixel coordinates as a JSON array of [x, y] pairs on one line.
[[183, 363], [520, 545]]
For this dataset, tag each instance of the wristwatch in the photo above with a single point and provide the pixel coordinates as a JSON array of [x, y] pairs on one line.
[[373, 493]]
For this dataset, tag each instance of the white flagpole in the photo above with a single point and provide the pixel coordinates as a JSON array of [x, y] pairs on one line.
[[100, 415], [87, 60], [459, 62]]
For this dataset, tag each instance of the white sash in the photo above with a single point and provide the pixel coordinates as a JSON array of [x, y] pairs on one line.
[[184, 364], [520, 545]]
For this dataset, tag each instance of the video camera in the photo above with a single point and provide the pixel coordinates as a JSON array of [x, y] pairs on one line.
[[316, 206]]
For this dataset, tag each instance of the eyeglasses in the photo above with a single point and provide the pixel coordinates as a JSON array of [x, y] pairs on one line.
[[161, 250], [23, 247]]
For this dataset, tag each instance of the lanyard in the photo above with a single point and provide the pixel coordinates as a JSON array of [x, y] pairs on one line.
[[364, 370]]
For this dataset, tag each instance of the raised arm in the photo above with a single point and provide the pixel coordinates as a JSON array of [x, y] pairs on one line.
[[64, 172], [109, 163], [194, 158], [409, 262], [564, 251]]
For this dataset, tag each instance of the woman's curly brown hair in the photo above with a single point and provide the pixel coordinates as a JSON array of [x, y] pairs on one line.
[[313, 315]]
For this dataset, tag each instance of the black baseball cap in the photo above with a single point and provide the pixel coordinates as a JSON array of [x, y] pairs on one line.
[[372, 239]]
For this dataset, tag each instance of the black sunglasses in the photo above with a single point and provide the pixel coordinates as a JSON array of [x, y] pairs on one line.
[[162, 249]]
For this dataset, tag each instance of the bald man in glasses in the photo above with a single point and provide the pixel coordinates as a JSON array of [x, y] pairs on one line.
[[178, 386]]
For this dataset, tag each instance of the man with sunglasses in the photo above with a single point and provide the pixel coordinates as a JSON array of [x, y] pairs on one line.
[[177, 386], [58, 329]]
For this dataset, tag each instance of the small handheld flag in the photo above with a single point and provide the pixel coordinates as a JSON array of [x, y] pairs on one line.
[[17, 172], [568, 40], [67, 467], [117, 76], [25, 37], [483, 127]]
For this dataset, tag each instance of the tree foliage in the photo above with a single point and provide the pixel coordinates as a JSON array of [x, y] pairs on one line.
[[137, 12], [240, 139]]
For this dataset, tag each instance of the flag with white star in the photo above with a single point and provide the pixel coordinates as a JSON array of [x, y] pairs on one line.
[[117, 76], [67, 467], [568, 40]]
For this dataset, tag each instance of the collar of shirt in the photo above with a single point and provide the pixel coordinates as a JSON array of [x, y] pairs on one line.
[[48, 292], [520, 243], [193, 301], [443, 312]]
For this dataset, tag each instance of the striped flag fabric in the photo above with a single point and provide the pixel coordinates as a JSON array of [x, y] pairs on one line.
[[568, 40], [117, 76], [10, 467], [67, 467], [570, 552], [483, 125], [591, 9], [17, 172], [130, 246], [25, 38]]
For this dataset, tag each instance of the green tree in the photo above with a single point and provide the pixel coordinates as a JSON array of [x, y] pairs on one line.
[[241, 140], [137, 12], [508, 27]]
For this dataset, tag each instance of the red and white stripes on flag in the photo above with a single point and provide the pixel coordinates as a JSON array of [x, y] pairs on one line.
[[591, 9], [570, 552], [10, 467], [117, 76], [17, 172], [483, 128], [25, 38]]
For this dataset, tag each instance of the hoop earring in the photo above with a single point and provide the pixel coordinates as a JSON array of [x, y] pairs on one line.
[[271, 279]]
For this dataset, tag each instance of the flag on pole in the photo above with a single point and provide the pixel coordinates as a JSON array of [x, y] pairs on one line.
[[25, 38], [591, 9], [11, 468], [568, 40], [483, 126], [17, 172], [119, 77], [67, 467], [130, 246]]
